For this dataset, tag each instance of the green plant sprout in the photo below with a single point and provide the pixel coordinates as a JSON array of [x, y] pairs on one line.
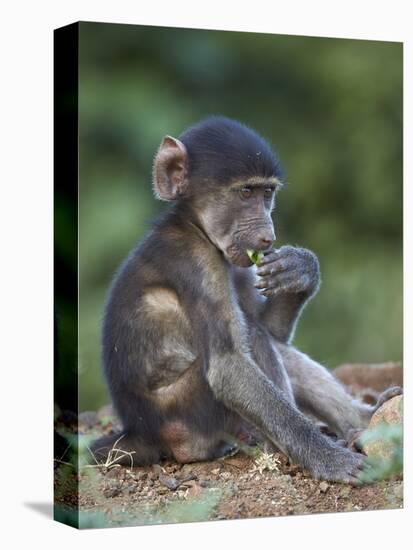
[[255, 256]]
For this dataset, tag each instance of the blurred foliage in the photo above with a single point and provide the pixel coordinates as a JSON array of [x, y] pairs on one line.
[[333, 110]]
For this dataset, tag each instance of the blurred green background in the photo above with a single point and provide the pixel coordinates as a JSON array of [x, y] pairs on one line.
[[333, 110]]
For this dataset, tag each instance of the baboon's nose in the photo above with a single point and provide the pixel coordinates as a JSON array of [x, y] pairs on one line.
[[266, 238]]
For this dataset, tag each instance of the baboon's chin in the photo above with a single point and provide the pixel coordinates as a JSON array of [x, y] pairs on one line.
[[238, 258]]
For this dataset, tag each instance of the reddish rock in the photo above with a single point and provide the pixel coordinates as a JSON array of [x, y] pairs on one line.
[[390, 412], [377, 377]]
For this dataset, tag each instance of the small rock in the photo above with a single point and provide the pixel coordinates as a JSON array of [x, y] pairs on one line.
[[188, 477], [345, 491], [186, 470], [171, 482], [152, 477], [157, 469], [237, 461], [111, 492], [391, 412], [324, 486]]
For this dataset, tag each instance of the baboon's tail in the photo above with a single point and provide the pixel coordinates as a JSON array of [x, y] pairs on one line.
[[123, 448]]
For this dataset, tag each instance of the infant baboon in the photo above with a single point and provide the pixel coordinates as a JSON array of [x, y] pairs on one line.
[[196, 340]]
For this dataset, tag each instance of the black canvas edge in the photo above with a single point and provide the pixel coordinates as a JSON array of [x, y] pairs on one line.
[[66, 311]]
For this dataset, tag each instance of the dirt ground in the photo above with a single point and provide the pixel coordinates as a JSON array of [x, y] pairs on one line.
[[241, 486], [230, 488]]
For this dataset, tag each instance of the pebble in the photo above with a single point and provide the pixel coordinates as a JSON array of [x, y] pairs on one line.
[[171, 482], [111, 492], [324, 486], [157, 469], [391, 412], [345, 491], [186, 470]]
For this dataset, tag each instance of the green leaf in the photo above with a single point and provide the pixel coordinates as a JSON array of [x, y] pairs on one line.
[[255, 256]]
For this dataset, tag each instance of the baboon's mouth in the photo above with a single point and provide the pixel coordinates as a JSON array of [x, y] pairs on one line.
[[237, 256], [256, 256]]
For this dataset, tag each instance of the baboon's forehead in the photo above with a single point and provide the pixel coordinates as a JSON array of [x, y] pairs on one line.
[[222, 150], [213, 193]]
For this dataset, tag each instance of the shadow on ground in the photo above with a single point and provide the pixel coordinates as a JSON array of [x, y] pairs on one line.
[[43, 508]]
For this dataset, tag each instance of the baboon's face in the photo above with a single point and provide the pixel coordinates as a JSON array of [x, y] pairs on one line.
[[238, 218]]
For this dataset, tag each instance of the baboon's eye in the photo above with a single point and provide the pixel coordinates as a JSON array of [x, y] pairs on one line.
[[246, 192], [268, 192]]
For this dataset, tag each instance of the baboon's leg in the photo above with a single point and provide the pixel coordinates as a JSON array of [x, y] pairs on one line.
[[187, 444], [194, 426], [317, 391]]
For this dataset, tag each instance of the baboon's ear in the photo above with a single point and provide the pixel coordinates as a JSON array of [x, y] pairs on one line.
[[170, 169]]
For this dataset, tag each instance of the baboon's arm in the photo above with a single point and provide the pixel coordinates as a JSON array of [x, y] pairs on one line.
[[288, 278]]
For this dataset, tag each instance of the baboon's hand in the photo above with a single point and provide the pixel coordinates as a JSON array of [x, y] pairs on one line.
[[338, 464], [289, 269]]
